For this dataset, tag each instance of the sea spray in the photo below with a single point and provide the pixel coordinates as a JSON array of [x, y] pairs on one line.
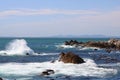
[[17, 47]]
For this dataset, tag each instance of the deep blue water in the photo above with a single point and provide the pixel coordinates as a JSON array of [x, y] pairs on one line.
[[50, 47]]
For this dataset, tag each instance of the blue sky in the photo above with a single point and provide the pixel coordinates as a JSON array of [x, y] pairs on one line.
[[44, 18]]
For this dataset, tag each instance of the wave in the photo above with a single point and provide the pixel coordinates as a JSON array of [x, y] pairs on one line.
[[88, 69], [17, 47]]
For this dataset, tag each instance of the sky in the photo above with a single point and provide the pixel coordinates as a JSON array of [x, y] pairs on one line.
[[45, 18]]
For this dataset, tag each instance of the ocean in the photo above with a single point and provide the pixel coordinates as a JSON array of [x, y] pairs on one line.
[[27, 58]]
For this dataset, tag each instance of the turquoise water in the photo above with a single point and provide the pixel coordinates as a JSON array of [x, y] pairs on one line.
[[15, 64]]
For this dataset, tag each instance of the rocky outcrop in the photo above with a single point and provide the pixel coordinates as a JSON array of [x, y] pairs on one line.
[[110, 44], [70, 58], [115, 42], [72, 42], [97, 44]]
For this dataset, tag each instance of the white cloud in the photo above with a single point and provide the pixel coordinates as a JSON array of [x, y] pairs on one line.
[[26, 12], [106, 23]]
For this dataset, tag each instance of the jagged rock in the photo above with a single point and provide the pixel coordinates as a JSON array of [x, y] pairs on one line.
[[112, 43], [70, 58], [115, 43], [71, 42]]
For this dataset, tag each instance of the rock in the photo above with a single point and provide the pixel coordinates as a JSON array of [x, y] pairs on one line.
[[72, 42], [47, 72], [70, 58], [50, 71], [110, 44], [112, 41], [67, 43], [1, 78], [27, 53], [115, 43], [95, 49]]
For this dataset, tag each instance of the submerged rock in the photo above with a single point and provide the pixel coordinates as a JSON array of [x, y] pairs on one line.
[[70, 58], [47, 72]]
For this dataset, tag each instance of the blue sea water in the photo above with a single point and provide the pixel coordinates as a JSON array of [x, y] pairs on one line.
[[16, 65]]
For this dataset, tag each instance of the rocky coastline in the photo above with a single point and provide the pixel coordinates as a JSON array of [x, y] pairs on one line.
[[112, 44]]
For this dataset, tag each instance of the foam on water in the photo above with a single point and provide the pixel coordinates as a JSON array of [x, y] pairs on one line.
[[89, 48], [88, 69], [45, 54], [65, 46], [78, 47], [17, 47]]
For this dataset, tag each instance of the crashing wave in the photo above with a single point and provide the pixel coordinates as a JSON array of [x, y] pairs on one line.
[[17, 47]]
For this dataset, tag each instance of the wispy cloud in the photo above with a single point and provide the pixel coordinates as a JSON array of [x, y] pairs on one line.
[[27, 12], [86, 22]]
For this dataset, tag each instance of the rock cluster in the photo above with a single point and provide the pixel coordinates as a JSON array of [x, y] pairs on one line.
[[110, 44], [72, 42], [70, 58]]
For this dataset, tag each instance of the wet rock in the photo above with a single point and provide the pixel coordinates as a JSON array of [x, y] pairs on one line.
[[70, 58], [71, 42], [112, 43], [27, 54], [1, 78], [95, 49], [47, 72]]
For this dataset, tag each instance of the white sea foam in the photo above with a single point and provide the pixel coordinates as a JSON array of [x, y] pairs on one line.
[[89, 48], [46, 54], [78, 47], [17, 47], [88, 69], [64, 46]]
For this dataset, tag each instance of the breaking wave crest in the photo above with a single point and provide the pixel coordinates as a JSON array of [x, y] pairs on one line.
[[17, 47]]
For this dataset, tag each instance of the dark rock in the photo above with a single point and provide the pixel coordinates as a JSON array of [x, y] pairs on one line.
[[50, 71], [67, 43], [95, 49], [1, 78], [112, 43], [70, 58], [47, 72], [71, 42], [27, 54]]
